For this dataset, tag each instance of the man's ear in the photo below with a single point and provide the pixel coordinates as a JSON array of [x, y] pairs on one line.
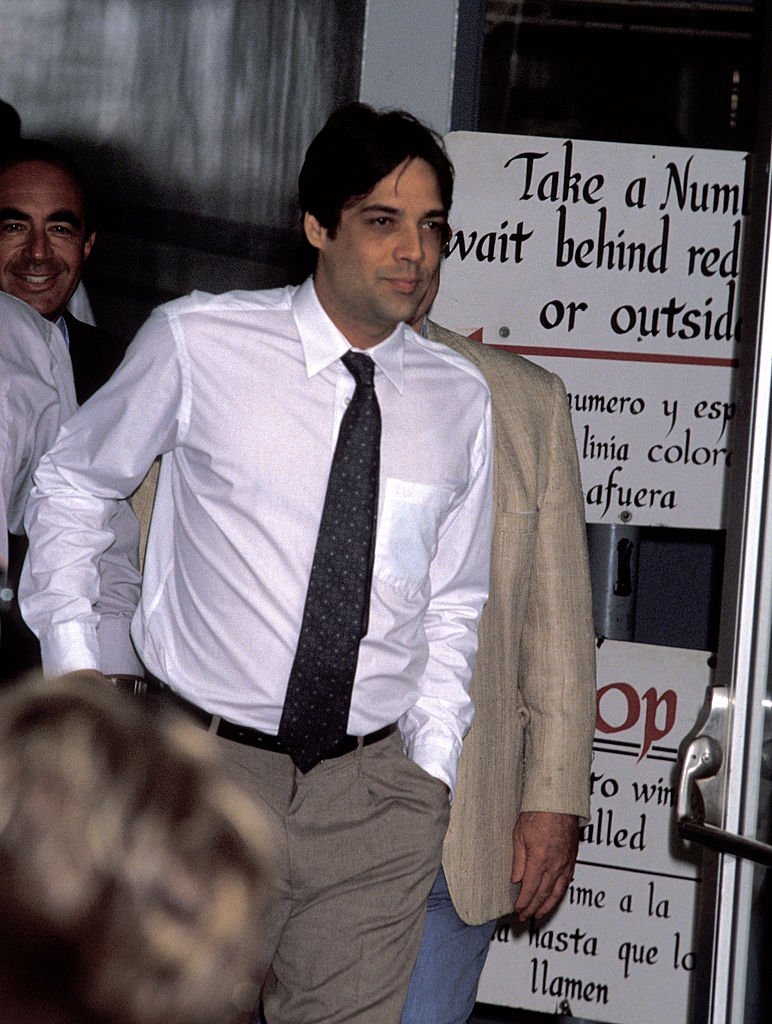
[[88, 245], [315, 233]]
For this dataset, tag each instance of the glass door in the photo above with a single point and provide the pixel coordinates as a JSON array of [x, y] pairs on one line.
[[725, 786], [683, 74]]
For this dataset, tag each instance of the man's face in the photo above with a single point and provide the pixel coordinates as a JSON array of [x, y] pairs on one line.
[[375, 271], [43, 241]]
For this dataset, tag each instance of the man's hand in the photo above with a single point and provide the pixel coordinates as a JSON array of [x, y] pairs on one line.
[[545, 848]]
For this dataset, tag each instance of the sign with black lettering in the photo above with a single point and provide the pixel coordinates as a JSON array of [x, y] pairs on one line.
[[620, 947], [617, 267]]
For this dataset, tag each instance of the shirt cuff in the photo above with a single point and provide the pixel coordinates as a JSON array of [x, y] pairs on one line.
[[437, 760], [69, 647]]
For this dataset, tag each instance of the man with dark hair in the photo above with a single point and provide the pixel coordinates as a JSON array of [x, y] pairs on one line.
[[46, 235], [46, 227], [317, 561], [355, 150]]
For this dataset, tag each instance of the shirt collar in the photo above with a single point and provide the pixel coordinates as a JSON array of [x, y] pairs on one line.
[[323, 343], [61, 323]]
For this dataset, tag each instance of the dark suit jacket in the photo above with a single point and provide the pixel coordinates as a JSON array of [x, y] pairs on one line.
[[94, 354]]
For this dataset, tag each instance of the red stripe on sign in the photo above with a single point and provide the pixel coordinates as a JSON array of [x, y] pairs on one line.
[[625, 357]]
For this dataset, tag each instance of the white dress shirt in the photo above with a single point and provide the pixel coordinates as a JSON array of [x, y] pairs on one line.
[[37, 394], [243, 394]]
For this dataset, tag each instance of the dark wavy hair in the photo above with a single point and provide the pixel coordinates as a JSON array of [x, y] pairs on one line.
[[359, 146], [20, 151]]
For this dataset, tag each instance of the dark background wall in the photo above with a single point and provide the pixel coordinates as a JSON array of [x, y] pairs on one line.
[[191, 118]]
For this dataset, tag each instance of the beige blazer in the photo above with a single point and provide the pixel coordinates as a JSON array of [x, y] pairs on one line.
[[530, 744]]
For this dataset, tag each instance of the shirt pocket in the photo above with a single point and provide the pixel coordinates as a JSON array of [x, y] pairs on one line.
[[408, 532]]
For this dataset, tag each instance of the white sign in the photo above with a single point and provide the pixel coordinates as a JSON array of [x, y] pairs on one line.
[[620, 947], [654, 442], [617, 267]]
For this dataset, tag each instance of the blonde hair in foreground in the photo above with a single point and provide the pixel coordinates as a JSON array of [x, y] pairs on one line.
[[133, 869]]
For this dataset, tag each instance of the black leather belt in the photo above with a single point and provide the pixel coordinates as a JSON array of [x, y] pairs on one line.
[[247, 734]]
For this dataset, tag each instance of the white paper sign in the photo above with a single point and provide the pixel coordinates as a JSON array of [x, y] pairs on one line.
[[617, 267], [620, 947]]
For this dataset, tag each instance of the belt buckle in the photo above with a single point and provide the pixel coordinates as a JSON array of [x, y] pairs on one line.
[[345, 746]]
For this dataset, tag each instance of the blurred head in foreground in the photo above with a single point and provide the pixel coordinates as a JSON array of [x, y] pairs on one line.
[[133, 871]]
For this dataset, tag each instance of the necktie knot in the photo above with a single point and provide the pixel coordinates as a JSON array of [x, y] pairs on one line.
[[360, 366]]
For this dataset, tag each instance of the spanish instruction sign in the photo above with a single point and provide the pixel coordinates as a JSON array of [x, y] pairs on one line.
[[617, 267], [620, 947]]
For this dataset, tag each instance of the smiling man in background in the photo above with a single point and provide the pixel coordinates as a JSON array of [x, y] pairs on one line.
[[46, 236]]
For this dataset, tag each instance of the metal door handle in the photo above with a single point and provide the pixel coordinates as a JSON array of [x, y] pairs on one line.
[[726, 842], [699, 794]]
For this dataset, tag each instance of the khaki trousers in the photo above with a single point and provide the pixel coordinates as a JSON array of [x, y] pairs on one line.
[[359, 846]]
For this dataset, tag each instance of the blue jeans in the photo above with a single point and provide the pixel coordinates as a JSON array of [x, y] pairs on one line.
[[443, 987]]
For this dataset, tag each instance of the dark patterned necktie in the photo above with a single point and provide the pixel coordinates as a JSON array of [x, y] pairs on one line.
[[316, 706]]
